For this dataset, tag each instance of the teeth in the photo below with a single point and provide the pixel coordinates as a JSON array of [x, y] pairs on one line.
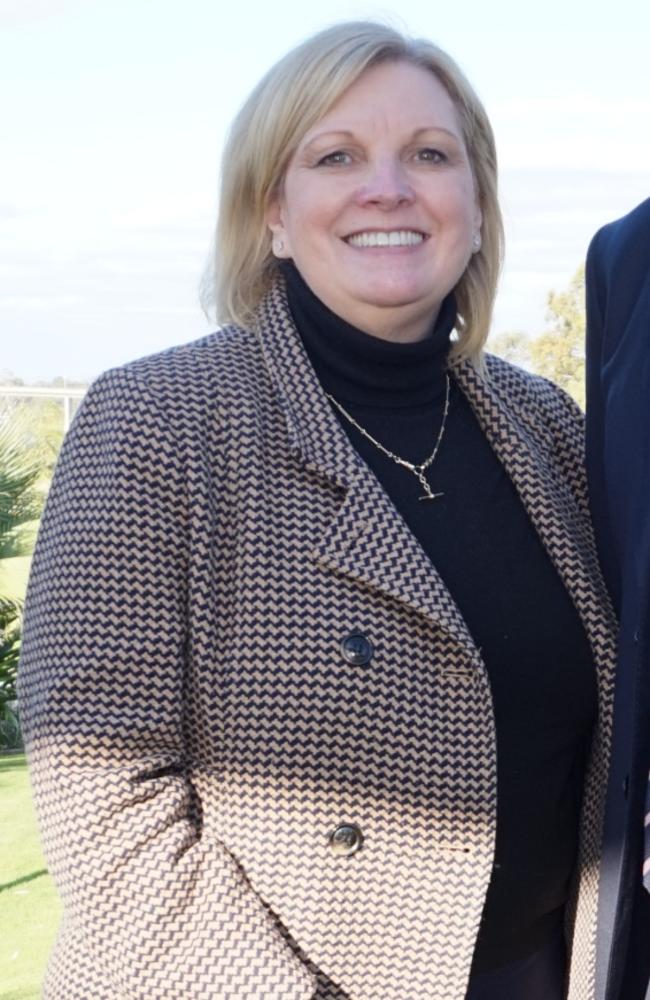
[[399, 238]]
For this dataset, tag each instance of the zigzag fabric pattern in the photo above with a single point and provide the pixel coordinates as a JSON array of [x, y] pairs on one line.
[[195, 731]]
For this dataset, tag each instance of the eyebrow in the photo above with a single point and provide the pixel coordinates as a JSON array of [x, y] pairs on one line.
[[346, 133]]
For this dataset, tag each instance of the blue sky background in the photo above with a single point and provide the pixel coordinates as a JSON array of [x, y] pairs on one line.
[[114, 111]]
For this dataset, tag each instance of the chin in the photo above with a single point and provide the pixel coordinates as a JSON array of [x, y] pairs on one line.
[[396, 298]]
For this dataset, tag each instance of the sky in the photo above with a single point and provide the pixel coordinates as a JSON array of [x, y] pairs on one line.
[[114, 114]]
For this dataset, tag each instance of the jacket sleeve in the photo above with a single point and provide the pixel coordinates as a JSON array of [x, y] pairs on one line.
[[161, 911]]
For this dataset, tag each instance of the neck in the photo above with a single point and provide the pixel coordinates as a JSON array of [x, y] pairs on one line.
[[354, 365]]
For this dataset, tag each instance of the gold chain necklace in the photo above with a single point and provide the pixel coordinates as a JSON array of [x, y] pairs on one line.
[[417, 470]]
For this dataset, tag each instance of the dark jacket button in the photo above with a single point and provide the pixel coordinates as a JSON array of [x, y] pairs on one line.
[[356, 649], [346, 840]]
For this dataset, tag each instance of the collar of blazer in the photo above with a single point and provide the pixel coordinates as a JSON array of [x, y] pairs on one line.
[[535, 433]]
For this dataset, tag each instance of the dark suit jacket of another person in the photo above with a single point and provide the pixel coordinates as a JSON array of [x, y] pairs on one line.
[[618, 455]]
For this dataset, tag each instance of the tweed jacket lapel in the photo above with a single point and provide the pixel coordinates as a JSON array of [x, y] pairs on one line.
[[368, 539]]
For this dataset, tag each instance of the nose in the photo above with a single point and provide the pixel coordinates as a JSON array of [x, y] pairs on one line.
[[386, 184]]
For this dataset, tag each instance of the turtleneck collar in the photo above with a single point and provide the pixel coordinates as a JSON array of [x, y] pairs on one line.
[[356, 367]]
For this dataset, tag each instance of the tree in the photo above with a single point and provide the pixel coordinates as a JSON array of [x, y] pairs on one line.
[[513, 346], [559, 353], [20, 507], [41, 423], [40, 419]]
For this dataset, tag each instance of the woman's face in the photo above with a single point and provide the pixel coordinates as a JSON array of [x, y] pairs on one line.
[[378, 207]]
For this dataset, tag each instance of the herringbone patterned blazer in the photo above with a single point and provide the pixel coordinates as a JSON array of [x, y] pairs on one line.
[[195, 732]]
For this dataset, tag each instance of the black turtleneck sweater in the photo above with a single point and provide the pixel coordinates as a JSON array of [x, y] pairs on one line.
[[483, 544]]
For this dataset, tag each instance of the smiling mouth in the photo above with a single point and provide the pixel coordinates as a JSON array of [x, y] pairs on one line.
[[388, 238]]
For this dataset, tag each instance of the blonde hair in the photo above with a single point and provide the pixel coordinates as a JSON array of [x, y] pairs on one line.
[[293, 95]]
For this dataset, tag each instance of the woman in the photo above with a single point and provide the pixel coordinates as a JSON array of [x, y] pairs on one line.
[[317, 662]]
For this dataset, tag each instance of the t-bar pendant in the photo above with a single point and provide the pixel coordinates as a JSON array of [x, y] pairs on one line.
[[428, 494]]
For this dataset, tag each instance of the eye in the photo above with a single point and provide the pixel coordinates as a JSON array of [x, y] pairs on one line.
[[338, 158], [429, 155]]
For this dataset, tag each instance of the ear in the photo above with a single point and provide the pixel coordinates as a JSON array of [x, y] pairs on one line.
[[477, 222], [478, 217], [275, 223]]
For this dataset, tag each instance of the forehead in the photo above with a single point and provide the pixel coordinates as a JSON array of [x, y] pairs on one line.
[[394, 95]]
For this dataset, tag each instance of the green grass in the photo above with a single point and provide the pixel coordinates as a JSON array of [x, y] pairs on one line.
[[29, 905]]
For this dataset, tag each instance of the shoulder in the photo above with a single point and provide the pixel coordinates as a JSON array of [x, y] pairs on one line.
[[201, 366], [531, 395], [195, 377], [551, 419], [152, 419], [554, 422], [624, 238]]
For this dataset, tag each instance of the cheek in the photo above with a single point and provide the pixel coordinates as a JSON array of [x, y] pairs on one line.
[[464, 210], [458, 203], [462, 227], [314, 206], [309, 221]]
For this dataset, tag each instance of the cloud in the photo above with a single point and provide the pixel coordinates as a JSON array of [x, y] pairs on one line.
[[17, 12], [35, 303], [574, 104], [580, 131]]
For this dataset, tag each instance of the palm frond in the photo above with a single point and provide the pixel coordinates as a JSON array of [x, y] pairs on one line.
[[20, 508]]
